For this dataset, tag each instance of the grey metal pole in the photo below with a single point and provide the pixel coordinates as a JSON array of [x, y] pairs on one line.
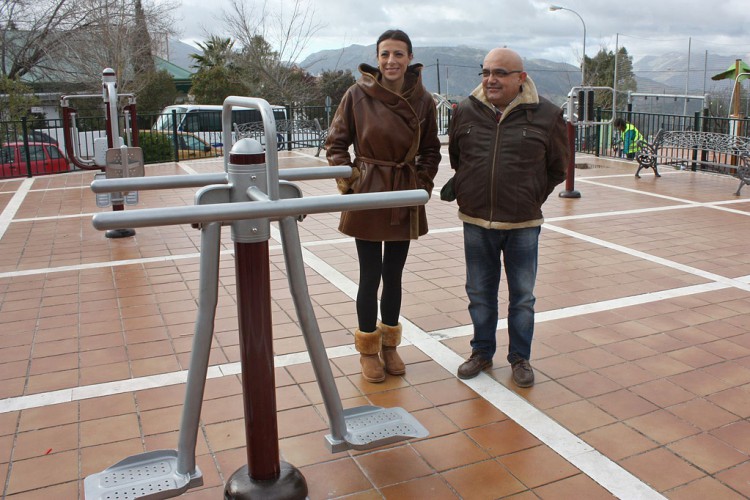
[[204, 330]]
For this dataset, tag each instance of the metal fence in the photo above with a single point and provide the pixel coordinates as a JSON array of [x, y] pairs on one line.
[[29, 136]]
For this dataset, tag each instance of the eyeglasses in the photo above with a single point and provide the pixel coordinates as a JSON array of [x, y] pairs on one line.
[[498, 73]]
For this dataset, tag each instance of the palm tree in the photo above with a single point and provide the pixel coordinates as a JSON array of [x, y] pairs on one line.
[[217, 52]]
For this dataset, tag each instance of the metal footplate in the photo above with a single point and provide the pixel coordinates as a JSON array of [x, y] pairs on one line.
[[373, 426], [151, 475]]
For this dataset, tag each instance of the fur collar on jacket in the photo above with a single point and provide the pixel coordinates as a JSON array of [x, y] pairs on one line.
[[370, 83], [528, 95]]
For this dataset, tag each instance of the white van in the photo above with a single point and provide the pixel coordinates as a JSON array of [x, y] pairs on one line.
[[204, 120]]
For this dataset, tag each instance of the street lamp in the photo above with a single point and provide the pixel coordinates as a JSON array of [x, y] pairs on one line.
[[553, 8]]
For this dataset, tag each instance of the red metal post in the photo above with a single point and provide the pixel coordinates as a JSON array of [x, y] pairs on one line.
[[570, 191], [256, 344]]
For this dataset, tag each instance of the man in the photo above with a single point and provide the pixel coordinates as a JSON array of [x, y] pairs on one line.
[[509, 148], [630, 137]]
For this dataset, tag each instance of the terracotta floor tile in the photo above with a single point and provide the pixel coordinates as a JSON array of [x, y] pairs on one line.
[[502, 438], [429, 371], [704, 488], [66, 490], [736, 434], [472, 413], [735, 400], [578, 486], [662, 393], [662, 469], [223, 409], [618, 441], [623, 404], [736, 478], [109, 430], [703, 414], [59, 468], [394, 465], [699, 382], [662, 427], [549, 394], [299, 421], [344, 386], [487, 479], [537, 466], [708, 453], [407, 398], [580, 416], [436, 423], [627, 374], [52, 381], [556, 367], [227, 436], [433, 487], [160, 420], [449, 452], [41, 418], [40, 442], [334, 479], [308, 449], [446, 391], [589, 384]]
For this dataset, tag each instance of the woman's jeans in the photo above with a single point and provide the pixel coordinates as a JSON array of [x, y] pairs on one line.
[[519, 249]]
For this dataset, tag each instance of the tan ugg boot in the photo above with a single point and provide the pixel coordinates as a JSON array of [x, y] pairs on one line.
[[391, 338], [368, 345]]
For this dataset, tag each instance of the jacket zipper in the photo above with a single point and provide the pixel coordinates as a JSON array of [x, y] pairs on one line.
[[492, 174]]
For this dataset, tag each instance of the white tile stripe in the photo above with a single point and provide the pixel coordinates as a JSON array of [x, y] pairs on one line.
[[6, 217]]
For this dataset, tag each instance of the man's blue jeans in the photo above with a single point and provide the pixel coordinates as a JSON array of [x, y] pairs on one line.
[[520, 250]]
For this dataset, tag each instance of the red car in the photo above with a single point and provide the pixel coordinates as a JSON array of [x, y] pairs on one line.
[[45, 159]]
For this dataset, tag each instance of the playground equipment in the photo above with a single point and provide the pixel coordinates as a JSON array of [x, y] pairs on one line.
[[248, 196], [111, 155]]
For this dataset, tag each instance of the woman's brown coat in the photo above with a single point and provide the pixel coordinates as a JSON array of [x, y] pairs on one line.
[[396, 147]]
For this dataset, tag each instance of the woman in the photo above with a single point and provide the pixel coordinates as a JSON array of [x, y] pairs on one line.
[[390, 119]]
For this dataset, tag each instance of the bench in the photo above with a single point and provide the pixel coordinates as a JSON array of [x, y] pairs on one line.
[[713, 151], [288, 132]]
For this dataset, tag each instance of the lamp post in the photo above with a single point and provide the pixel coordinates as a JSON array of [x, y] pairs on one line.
[[553, 8]]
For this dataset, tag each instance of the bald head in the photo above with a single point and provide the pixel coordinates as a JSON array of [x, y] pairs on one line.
[[507, 58], [503, 76]]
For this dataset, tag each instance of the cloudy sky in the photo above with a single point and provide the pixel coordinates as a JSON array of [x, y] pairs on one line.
[[646, 27]]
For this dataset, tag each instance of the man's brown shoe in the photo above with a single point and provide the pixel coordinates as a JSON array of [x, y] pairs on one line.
[[471, 367], [523, 374]]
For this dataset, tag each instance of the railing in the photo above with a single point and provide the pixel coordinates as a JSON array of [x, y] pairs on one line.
[[599, 140]]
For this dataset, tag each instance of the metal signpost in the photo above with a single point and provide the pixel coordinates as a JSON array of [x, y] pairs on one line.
[[248, 196]]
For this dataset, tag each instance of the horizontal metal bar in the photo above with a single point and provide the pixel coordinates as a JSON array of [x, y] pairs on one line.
[[276, 209], [200, 180], [157, 182]]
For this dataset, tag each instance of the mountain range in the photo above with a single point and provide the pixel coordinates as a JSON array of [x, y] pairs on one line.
[[454, 71]]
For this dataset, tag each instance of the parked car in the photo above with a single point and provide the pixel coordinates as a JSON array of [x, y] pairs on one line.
[[45, 159], [38, 136], [190, 146]]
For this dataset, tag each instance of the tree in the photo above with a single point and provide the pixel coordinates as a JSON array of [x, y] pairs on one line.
[[334, 83], [74, 40], [158, 91], [272, 43], [600, 72], [217, 51], [17, 100], [217, 75]]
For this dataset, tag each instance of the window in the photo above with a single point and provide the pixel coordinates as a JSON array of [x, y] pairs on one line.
[[7, 155], [54, 153]]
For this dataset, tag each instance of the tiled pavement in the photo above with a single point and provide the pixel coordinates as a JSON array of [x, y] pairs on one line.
[[642, 348]]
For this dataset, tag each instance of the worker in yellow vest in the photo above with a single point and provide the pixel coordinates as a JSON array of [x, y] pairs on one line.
[[630, 137]]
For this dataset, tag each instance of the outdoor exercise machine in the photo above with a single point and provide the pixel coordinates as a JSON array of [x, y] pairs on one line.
[[580, 113], [250, 194], [111, 155]]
